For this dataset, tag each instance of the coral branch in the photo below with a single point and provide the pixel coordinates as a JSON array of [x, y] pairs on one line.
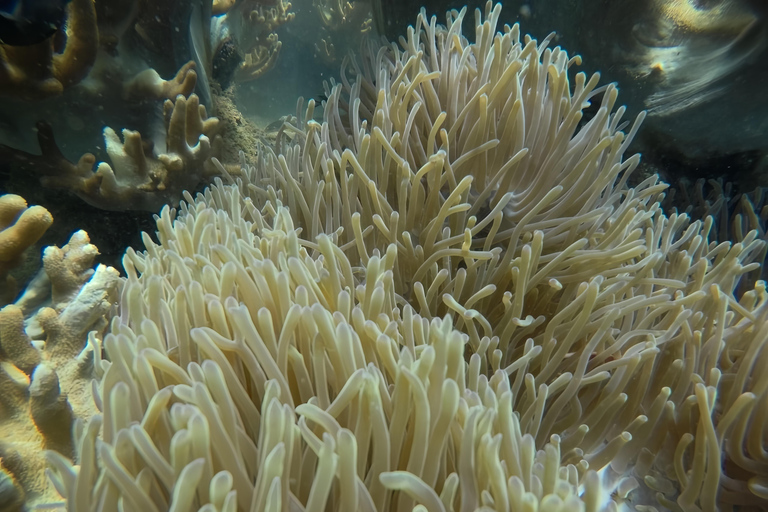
[[44, 385], [20, 228], [149, 84], [37, 71], [137, 179]]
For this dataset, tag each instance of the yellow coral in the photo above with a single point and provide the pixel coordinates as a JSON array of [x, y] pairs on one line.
[[20, 228]]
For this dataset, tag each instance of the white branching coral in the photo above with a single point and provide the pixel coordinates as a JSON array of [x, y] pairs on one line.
[[443, 297], [47, 340]]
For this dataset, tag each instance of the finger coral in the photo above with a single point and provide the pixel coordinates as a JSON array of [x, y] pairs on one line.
[[20, 228], [47, 341], [139, 178], [445, 296]]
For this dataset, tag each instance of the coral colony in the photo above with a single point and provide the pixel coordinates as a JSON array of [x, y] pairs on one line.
[[444, 295]]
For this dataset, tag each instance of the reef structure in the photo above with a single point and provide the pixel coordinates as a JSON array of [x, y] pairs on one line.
[[444, 296]]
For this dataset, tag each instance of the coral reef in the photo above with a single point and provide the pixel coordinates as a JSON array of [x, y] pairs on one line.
[[112, 68], [444, 296], [92, 33]]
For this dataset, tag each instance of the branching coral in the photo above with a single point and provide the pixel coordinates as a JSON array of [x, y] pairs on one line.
[[266, 45], [443, 297], [37, 72], [119, 63], [46, 364], [139, 178], [149, 84], [20, 228]]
